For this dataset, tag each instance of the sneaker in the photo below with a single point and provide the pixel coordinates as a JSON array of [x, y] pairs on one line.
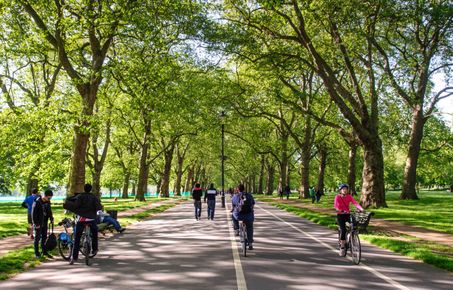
[[250, 247], [47, 255], [121, 230], [94, 253], [72, 261], [342, 252], [37, 256]]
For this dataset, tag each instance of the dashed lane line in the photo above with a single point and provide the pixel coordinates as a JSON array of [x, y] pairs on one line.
[[364, 266], [240, 278]]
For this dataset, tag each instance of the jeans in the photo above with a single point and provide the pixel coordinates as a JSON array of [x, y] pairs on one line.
[[111, 221], [40, 235], [211, 209], [197, 204], [78, 230], [249, 225]]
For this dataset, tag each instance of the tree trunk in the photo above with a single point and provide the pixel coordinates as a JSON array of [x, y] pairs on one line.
[[351, 168], [261, 178], [410, 171], [143, 174], [96, 176], [373, 191], [322, 169], [134, 188], [270, 178], [77, 177], [165, 186], [127, 177], [32, 183], [189, 180], [305, 159]]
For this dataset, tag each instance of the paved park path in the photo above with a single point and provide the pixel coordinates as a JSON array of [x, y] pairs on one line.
[[390, 226], [19, 241], [174, 251]]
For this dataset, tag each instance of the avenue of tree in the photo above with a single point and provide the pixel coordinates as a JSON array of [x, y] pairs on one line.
[[127, 94]]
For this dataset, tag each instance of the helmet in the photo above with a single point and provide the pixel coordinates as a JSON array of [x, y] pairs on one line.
[[343, 186]]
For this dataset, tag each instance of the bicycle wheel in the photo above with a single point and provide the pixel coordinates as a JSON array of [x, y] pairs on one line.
[[87, 250], [356, 250], [65, 247]]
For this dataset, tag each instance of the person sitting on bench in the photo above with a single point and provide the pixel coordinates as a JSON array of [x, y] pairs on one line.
[[106, 218]]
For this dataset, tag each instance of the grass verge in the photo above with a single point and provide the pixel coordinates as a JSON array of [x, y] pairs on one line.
[[431, 253], [23, 259]]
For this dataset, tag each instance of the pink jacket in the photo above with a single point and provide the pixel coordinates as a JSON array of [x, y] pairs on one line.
[[342, 203]]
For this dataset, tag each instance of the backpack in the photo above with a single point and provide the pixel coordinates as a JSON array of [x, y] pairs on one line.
[[245, 204], [51, 242]]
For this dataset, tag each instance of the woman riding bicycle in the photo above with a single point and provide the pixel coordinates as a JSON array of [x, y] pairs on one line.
[[341, 204]]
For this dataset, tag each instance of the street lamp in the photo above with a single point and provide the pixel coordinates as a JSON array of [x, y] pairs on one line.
[[223, 157]]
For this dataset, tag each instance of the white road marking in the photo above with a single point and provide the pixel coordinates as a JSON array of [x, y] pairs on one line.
[[366, 267], [240, 278]]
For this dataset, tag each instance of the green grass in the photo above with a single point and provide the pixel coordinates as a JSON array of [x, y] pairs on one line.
[[13, 217], [20, 260], [437, 255], [433, 210]]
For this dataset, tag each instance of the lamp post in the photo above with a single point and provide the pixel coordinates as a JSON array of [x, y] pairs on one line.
[[222, 120]]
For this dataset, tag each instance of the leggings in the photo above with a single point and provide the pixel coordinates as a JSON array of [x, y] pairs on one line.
[[341, 220]]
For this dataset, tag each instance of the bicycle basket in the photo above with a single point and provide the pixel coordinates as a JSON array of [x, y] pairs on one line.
[[361, 219]]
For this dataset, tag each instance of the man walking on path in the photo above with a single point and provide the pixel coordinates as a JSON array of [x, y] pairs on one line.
[[196, 195], [41, 214], [28, 204], [210, 197]]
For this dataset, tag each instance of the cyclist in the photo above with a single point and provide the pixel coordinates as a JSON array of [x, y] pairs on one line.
[[341, 204], [85, 205], [197, 192], [243, 211]]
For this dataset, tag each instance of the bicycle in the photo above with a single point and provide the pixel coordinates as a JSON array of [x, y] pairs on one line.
[[243, 237], [86, 244], [356, 221], [65, 240]]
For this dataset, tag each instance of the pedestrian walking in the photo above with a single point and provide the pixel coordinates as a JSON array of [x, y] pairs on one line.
[[209, 197], [197, 192]]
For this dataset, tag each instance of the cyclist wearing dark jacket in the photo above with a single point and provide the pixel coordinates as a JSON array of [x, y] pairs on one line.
[[41, 213], [197, 192], [85, 205]]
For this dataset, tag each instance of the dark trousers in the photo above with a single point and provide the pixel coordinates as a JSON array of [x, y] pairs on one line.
[[341, 220], [197, 205], [78, 230], [211, 209], [248, 224], [40, 235]]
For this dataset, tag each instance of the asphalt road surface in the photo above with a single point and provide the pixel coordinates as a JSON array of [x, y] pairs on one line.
[[174, 251]]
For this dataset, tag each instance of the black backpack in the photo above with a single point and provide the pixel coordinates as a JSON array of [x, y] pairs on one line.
[[245, 204], [51, 241]]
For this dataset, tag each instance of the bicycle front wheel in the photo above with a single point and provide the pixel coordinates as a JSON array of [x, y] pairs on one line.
[[65, 248], [356, 250]]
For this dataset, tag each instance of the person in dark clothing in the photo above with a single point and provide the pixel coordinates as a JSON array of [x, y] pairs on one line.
[[318, 193], [287, 191], [239, 214], [28, 204], [41, 213], [197, 192], [210, 198], [85, 205]]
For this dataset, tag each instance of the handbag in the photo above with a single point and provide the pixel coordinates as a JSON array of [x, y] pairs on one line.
[[51, 241]]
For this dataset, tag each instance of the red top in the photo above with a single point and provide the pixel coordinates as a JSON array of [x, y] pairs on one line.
[[342, 203]]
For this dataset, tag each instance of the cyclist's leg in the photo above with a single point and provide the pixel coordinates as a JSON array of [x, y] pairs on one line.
[[342, 218], [78, 230], [94, 236], [249, 225], [235, 224]]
